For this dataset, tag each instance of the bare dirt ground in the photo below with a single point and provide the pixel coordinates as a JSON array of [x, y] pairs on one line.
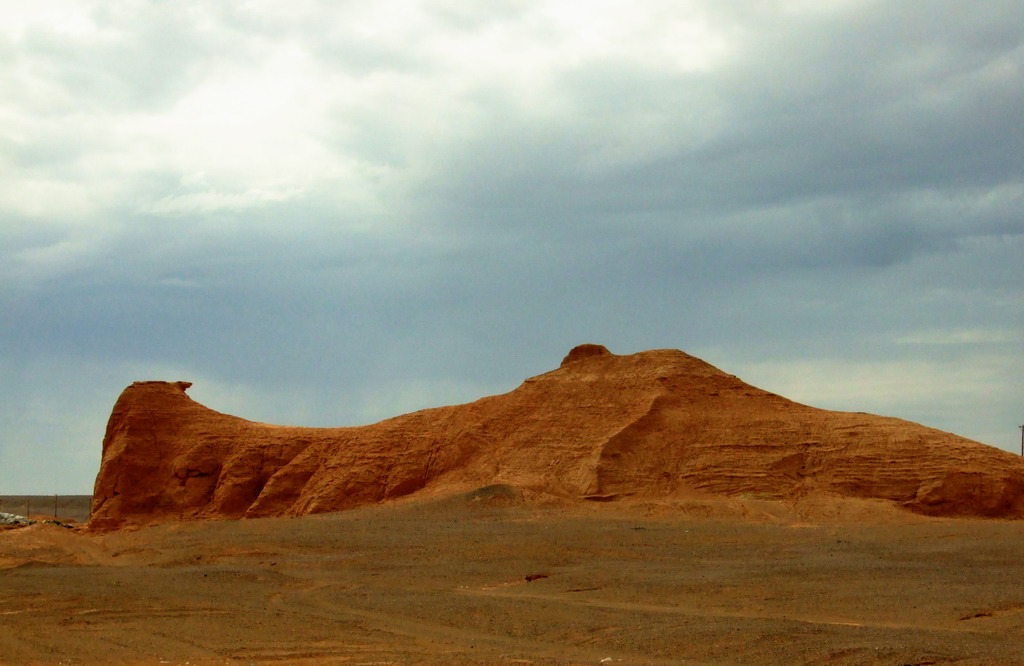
[[487, 579]]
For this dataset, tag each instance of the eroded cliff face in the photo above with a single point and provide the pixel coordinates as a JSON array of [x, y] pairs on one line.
[[601, 426]]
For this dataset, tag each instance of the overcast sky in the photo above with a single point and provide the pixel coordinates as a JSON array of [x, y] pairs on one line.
[[328, 213]]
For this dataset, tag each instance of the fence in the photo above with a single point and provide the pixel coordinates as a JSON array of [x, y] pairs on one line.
[[74, 508]]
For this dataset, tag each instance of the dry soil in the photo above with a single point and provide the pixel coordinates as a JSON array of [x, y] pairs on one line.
[[487, 578]]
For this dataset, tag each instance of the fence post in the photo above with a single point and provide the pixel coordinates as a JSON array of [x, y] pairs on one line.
[[54, 506]]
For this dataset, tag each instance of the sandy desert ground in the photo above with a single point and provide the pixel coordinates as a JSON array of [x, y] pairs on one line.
[[487, 578]]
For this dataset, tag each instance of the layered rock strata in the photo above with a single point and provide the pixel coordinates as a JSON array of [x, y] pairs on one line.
[[601, 427]]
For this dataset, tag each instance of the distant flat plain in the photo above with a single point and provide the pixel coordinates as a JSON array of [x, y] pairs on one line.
[[461, 581], [60, 507]]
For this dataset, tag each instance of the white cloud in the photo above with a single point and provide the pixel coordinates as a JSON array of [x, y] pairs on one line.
[[211, 202], [252, 123], [42, 198], [882, 386], [71, 17], [180, 283], [970, 336], [964, 395]]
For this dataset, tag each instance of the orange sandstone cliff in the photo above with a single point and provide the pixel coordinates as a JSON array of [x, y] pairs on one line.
[[601, 426]]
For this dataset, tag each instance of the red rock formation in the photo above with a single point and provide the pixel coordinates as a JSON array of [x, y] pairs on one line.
[[601, 426]]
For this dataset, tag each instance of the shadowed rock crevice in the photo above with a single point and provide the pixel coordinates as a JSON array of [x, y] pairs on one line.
[[603, 427]]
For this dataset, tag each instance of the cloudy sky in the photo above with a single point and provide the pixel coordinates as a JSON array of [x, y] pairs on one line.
[[328, 213]]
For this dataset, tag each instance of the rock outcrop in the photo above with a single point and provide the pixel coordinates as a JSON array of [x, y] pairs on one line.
[[14, 519], [601, 427]]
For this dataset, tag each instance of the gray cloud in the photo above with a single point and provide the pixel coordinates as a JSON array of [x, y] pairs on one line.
[[333, 213]]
